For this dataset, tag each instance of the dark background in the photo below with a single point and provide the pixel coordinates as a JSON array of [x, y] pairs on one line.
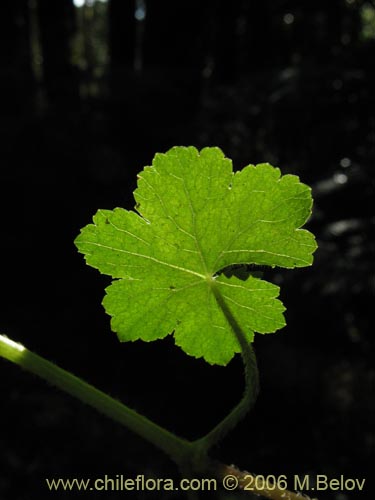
[[89, 95]]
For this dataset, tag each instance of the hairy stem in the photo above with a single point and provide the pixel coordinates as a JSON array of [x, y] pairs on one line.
[[251, 381], [184, 453], [247, 482], [177, 448]]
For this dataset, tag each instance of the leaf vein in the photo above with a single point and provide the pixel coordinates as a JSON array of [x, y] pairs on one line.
[[148, 257]]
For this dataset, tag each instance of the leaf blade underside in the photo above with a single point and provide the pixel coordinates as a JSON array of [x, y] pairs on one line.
[[195, 218]]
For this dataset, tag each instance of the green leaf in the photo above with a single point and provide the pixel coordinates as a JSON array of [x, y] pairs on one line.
[[196, 218]]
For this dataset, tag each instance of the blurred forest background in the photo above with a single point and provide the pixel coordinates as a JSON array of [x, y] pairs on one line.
[[91, 90]]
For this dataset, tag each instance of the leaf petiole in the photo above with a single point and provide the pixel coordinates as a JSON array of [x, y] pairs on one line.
[[251, 380]]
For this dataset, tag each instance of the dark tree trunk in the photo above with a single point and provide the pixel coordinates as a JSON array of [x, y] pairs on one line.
[[173, 34], [223, 17], [259, 36], [121, 33], [174, 52], [15, 72], [122, 39], [57, 25]]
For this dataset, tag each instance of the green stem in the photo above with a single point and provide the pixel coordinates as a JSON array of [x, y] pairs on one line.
[[180, 450], [177, 448], [251, 381], [184, 453]]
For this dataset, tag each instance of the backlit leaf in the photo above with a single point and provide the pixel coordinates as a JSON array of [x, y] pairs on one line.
[[195, 218]]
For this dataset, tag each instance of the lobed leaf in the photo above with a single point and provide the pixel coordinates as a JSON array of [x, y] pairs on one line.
[[195, 218]]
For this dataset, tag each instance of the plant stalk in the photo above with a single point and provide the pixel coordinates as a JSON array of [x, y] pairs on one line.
[[177, 448], [251, 381], [181, 451]]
